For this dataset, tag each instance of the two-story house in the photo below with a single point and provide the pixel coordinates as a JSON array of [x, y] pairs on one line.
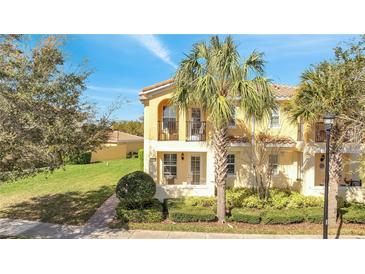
[[178, 155]]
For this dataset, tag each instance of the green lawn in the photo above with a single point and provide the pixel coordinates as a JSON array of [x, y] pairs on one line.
[[66, 196]]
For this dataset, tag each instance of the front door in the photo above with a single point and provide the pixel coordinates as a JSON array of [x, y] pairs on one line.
[[195, 169]]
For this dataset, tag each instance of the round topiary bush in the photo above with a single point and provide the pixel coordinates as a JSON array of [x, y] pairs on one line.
[[136, 188]]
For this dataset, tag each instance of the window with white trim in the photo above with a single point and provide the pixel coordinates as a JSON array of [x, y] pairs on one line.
[[170, 164], [274, 163], [231, 164], [232, 121], [275, 118]]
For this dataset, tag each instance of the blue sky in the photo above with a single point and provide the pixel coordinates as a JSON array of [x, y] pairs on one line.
[[124, 64]]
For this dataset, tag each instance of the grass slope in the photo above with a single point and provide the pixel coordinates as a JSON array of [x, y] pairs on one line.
[[66, 196]]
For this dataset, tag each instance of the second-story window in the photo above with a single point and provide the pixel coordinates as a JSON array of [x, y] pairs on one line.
[[169, 119], [232, 121], [275, 118]]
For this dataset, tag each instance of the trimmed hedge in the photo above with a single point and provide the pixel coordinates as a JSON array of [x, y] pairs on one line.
[[314, 215], [283, 216], [191, 209], [152, 212], [244, 215], [136, 188], [191, 214]]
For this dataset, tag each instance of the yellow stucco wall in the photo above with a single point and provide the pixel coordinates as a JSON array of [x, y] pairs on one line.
[[115, 151], [153, 114]]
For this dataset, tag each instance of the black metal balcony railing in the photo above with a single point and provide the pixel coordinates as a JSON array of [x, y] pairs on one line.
[[168, 130], [195, 131]]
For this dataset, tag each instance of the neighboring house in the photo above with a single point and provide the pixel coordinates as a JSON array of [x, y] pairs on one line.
[[120, 145], [178, 156]]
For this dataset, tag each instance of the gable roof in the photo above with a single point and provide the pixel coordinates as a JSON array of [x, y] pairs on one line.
[[123, 137], [281, 91]]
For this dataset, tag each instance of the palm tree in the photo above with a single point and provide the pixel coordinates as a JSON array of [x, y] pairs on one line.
[[323, 89], [213, 75]]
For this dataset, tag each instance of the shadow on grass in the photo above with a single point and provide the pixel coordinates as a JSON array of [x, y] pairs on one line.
[[73, 208]]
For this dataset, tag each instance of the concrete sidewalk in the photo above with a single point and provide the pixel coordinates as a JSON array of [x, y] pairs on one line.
[[34, 229]]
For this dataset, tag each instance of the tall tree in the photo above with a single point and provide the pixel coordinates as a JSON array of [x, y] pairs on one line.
[[214, 75], [42, 118], [332, 87]]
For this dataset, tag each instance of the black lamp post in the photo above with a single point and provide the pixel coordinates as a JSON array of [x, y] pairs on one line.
[[328, 120]]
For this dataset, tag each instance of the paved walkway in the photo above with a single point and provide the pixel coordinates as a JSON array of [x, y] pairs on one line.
[[104, 214], [34, 229]]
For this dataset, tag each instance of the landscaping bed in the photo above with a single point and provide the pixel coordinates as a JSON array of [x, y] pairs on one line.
[[283, 207]]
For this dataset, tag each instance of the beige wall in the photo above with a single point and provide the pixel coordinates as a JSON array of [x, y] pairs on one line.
[[183, 176], [115, 151], [286, 177]]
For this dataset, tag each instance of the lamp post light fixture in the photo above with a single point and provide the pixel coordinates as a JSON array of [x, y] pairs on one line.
[[328, 121]]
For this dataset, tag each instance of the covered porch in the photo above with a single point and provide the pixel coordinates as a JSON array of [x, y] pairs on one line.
[[183, 173], [351, 186]]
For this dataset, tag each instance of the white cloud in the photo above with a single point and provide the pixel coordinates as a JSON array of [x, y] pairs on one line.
[[155, 46], [112, 89]]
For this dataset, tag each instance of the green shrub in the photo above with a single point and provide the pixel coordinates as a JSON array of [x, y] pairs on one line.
[[278, 202], [251, 216], [136, 188], [314, 215], [254, 202], [296, 200], [236, 196], [191, 214], [140, 159], [355, 205], [354, 215], [175, 203], [82, 159], [283, 216], [201, 201], [312, 201], [279, 192], [151, 212]]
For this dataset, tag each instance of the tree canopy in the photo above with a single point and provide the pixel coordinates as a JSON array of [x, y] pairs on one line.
[[42, 118]]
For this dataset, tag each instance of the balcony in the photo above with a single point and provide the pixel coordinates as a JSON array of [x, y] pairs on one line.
[[168, 130], [351, 136], [195, 131]]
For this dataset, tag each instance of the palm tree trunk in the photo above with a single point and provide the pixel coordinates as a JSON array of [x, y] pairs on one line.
[[335, 174], [220, 144]]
